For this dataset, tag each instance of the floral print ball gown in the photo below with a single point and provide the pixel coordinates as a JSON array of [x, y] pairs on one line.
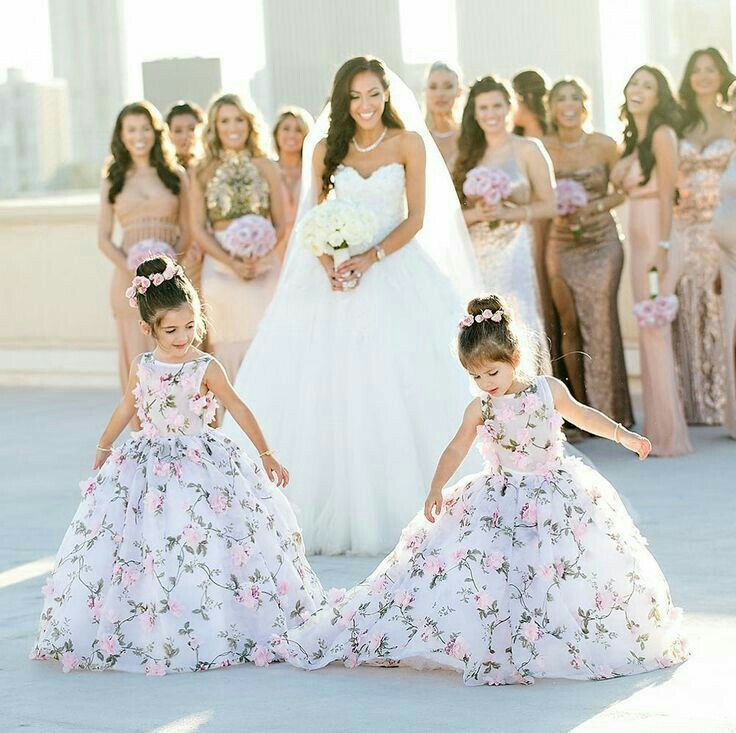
[[533, 569], [182, 556]]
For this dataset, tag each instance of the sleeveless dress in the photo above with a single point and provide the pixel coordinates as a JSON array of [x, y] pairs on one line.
[[235, 306], [696, 332], [358, 391], [504, 256], [533, 569], [182, 556], [584, 274], [724, 231], [139, 218], [664, 418]]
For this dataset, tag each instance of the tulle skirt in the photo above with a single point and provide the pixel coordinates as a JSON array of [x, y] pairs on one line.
[[358, 392]]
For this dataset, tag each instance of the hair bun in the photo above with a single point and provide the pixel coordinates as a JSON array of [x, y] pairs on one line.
[[154, 265], [490, 302]]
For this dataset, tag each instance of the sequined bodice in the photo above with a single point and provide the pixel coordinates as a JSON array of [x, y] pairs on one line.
[[521, 190], [383, 192], [699, 178], [236, 189], [594, 178], [522, 432], [168, 397]]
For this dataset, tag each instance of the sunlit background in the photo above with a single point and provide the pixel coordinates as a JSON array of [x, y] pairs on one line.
[[67, 66]]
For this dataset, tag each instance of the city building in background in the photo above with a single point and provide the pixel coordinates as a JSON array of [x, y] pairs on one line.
[[35, 140], [87, 51], [166, 81]]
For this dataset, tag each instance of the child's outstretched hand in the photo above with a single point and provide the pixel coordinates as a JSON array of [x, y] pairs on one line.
[[275, 471], [636, 443], [433, 505], [100, 457]]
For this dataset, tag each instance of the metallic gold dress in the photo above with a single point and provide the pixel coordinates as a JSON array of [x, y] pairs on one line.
[[696, 333], [584, 274], [235, 306]]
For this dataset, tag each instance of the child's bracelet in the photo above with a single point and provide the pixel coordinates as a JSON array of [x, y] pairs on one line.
[[615, 432], [265, 453], [104, 450]]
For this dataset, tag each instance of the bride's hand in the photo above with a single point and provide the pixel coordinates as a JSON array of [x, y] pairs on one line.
[[481, 212], [336, 282], [354, 268]]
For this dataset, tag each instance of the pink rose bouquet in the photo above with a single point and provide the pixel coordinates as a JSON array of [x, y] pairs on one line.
[[250, 236], [488, 184], [147, 249]]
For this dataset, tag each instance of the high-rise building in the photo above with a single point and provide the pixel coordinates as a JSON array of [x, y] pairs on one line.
[[306, 43], [87, 51], [166, 81], [34, 133]]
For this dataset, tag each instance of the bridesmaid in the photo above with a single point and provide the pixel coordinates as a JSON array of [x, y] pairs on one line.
[[647, 173], [504, 251], [530, 120], [184, 122], [530, 113], [147, 192], [724, 231], [585, 259], [234, 178], [292, 126], [442, 91], [706, 146]]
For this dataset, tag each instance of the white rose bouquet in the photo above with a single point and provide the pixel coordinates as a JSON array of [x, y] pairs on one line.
[[337, 228]]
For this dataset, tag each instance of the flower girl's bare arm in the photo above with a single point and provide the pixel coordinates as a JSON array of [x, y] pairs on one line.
[[122, 415], [594, 421], [452, 457]]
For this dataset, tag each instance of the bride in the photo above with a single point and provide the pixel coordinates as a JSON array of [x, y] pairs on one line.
[[351, 371]]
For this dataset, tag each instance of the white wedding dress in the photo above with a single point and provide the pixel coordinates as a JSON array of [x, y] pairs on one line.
[[359, 391]]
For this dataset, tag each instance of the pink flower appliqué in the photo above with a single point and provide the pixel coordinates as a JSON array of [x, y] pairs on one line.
[[482, 601], [191, 535], [433, 565], [48, 589], [155, 669], [68, 661], [88, 487], [239, 554], [529, 512], [282, 588], [218, 502], [94, 606], [530, 403], [335, 596], [530, 631], [154, 501], [130, 576], [194, 455], [109, 645], [404, 598], [262, 656], [161, 468], [457, 648], [175, 608], [493, 560], [351, 661]]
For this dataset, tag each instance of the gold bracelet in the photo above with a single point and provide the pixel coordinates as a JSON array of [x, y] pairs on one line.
[[104, 450], [615, 432], [265, 453]]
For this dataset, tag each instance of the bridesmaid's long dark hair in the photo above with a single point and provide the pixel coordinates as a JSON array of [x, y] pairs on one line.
[[471, 144], [666, 112], [342, 125], [531, 86], [162, 156], [688, 98]]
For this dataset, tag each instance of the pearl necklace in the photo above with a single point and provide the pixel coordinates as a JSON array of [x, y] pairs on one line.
[[372, 146]]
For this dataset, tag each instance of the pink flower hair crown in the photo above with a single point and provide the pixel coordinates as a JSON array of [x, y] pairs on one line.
[[141, 283], [486, 315]]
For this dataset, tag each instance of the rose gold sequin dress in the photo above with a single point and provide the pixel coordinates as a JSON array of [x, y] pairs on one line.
[[724, 231], [664, 419], [140, 218], [584, 275], [696, 333]]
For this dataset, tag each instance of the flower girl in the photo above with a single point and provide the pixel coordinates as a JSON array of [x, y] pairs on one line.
[[182, 556], [531, 568]]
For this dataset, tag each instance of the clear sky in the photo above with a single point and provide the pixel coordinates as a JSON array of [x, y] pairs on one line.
[[232, 31]]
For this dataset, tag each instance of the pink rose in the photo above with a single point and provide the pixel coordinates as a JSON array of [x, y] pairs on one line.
[[458, 555], [457, 648], [404, 599], [197, 404], [282, 588], [175, 420], [346, 618], [335, 596], [351, 661], [189, 383], [560, 568], [663, 662], [147, 621], [149, 430], [426, 631], [48, 589], [493, 560], [194, 456], [175, 608], [169, 272], [218, 502], [261, 657], [155, 669], [130, 576], [546, 572], [604, 600], [578, 528], [154, 501], [524, 436], [375, 642], [94, 605], [249, 597], [413, 539], [379, 584], [161, 468], [176, 468], [530, 403], [239, 554], [109, 645], [191, 535], [68, 661], [482, 601], [88, 486], [530, 631], [157, 279], [433, 565]]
